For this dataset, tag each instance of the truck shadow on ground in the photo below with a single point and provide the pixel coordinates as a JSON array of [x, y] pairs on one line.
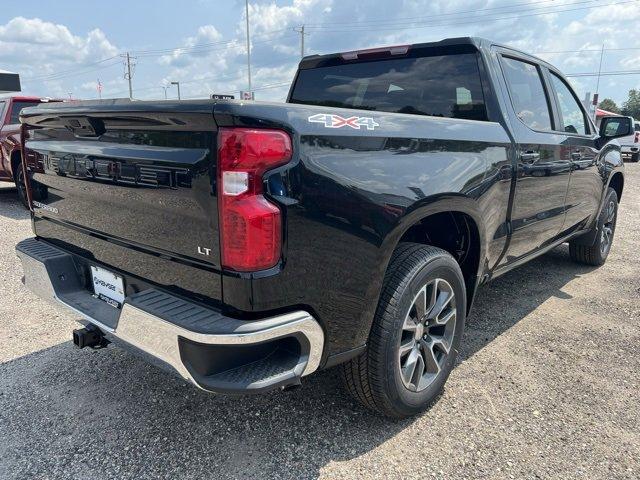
[[111, 414], [11, 206]]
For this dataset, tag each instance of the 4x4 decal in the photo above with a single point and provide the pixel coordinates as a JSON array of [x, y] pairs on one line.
[[336, 121]]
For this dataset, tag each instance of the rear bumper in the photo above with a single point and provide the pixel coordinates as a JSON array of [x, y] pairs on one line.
[[215, 352], [628, 150]]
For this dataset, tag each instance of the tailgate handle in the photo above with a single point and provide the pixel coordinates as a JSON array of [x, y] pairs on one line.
[[84, 126]]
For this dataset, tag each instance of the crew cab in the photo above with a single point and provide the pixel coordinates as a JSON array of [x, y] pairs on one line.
[[245, 245], [10, 150]]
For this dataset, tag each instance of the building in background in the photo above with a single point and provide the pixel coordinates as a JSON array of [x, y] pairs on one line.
[[9, 82]]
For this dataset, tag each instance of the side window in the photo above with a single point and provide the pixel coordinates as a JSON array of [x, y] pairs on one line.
[[527, 93], [573, 119]]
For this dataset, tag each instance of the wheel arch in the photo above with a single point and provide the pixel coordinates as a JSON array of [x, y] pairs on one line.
[[432, 223], [617, 183], [16, 159]]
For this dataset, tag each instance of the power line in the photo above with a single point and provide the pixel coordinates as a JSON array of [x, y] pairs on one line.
[[449, 14], [462, 21], [153, 53], [163, 51], [75, 71], [613, 73], [589, 50], [236, 75]]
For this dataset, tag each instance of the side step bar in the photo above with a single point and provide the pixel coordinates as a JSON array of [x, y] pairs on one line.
[[215, 352]]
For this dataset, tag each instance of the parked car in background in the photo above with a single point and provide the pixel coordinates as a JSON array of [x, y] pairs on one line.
[[245, 245], [630, 145], [10, 154]]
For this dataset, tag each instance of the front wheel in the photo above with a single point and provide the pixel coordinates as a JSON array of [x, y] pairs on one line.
[[21, 186], [597, 253], [415, 335]]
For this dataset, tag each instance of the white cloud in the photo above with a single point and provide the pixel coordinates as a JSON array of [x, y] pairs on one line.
[[28, 41], [36, 48], [196, 46], [209, 61]]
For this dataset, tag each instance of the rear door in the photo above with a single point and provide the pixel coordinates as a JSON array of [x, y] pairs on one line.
[[543, 158]]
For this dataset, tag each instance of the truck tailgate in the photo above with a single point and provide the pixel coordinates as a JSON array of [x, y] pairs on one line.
[[133, 186]]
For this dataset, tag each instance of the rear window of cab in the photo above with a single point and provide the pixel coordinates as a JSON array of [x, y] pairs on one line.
[[440, 86]]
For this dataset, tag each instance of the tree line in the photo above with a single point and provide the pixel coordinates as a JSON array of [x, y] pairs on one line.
[[630, 107]]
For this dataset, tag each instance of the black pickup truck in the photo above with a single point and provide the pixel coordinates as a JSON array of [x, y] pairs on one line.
[[245, 245]]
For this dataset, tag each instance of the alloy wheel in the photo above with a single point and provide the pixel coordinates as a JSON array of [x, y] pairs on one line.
[[427, 335], [606, 236]]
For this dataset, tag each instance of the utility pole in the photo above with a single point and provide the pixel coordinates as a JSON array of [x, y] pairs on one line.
[[177, 84], [164, 87], [600, 69], [127, 74], [246, 9], [302, 34]]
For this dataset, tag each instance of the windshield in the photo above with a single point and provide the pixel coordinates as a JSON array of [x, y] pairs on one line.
[[15, 110], [441, 86]]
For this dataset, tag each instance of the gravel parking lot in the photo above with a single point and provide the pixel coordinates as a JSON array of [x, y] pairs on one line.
[[547, 386]]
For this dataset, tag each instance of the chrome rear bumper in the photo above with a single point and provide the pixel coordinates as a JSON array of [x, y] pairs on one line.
[[215, 352]]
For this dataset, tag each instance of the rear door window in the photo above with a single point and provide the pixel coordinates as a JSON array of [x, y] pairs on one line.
[[527, 93], [441, 86]]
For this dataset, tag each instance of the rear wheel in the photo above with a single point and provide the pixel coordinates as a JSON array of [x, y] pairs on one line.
[[597, 253], [415, 335]]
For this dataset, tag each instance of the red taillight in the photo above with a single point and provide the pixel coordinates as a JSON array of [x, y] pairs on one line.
[[636, 139], [250, 225]]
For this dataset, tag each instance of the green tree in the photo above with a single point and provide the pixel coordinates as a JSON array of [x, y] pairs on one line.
[[609, 105], [631, 106]]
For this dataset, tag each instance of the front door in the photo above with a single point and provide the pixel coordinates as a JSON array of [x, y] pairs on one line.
[[543, 160], [585, 184]]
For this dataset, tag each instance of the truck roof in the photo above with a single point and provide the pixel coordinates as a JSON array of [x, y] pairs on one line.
[[472, 43]]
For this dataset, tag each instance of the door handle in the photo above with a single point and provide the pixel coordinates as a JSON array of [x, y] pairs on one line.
[[530, 157]]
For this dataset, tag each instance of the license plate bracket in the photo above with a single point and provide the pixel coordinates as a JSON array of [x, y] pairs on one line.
[[108, 286]]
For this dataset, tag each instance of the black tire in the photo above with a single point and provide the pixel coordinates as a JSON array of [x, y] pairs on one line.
[[634, 157], [375, 377], [597, 253], [20, 185]]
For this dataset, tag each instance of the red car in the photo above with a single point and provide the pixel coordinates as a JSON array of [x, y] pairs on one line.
[[10, 155]]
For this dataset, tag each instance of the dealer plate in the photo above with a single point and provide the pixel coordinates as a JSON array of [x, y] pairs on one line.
[[108, 286]]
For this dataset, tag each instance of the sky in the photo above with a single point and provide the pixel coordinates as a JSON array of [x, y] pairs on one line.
[[64, 48]]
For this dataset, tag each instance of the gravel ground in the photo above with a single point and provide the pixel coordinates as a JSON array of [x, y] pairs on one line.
[[547, 387]]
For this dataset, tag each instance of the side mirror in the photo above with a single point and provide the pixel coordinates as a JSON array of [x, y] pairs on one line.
[[615, 127]]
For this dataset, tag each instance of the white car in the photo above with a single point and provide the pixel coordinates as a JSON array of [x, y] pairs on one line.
[[631, 144]]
